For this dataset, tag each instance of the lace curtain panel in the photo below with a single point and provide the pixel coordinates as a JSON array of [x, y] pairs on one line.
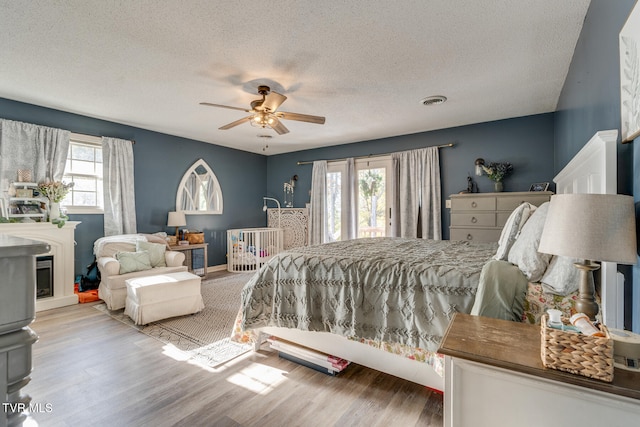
[[119, 193], [417, 194], [40, 149]]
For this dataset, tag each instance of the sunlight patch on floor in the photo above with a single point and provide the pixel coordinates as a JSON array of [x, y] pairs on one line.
[[174, 353], [259, 378]]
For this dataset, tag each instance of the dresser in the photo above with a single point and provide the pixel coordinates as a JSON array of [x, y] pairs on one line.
[[494, 377], [480, 217]]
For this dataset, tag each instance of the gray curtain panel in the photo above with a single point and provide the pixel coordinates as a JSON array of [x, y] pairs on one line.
[[40, 149], [318, 193], [352, 198], [119, 193], [416, 206]]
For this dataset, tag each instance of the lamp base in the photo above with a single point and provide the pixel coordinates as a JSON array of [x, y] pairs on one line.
[[586, 302]]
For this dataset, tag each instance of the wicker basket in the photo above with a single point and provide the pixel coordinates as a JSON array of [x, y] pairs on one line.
[[577, 353], [195, 238]]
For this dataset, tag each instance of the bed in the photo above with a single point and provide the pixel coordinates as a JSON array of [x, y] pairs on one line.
[[314, 296]]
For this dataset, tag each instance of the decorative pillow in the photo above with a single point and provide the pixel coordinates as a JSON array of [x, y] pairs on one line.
[[512, 227], [562, 277], [524, 252], [133, 261], [156, 252]]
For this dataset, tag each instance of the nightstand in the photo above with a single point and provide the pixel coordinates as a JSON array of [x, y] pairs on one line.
[[494, 377], [194, 261]]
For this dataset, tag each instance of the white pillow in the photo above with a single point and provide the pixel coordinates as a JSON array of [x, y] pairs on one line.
[[524, 252], [511, 228], [562, 277]]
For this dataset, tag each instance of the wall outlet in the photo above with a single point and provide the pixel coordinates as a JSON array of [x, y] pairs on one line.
[[447, 203]]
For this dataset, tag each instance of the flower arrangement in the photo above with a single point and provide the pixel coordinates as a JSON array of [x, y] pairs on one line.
[[54, 190], [497, 171]]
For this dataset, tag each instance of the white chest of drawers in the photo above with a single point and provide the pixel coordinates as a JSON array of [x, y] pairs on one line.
[[480, 217]]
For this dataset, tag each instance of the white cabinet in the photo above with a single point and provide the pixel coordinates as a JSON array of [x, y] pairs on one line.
[[480, 217], [494, 377]]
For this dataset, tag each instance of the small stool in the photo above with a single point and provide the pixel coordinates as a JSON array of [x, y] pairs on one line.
[[159, 297]]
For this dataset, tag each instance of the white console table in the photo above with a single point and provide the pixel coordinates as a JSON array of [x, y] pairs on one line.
[[494, 377]]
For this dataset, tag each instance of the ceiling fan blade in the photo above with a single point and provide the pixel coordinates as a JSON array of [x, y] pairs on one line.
[[236, 123], [225, 106], [301, 117], [279, 127], [272, 101]]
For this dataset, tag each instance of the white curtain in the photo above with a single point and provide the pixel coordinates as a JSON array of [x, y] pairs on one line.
[[318, 194], [417, 197], [119, 194], [352, 201], [40, 149]]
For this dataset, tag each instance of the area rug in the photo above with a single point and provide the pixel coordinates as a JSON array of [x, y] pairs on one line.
[[204, 337]]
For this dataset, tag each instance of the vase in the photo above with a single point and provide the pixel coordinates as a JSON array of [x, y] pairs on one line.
[[498, 186], [54, 211]]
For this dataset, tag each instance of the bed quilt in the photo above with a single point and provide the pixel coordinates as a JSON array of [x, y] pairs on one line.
[[384, 289]]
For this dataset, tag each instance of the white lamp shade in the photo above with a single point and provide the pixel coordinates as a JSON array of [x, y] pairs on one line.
[[595, 227], [176, 219]]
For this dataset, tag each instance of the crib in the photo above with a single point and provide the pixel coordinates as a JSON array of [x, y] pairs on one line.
[[249, 248]]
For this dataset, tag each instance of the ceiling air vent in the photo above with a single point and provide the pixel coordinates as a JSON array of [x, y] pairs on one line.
[[433, 100]]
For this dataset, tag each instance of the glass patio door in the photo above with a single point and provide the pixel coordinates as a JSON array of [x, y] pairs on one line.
[[373, 199]]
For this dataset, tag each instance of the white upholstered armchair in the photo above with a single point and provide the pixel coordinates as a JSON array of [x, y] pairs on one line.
[[128, 256]]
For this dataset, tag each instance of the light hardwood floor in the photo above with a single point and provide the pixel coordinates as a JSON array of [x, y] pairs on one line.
[[92, 370]]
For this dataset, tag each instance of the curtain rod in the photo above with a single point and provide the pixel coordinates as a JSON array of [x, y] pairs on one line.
[[99, 136], [308, 162]]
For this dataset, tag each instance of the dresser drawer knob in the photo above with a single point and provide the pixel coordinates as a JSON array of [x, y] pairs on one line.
[[474, 219], [474, 205], [469, 237]]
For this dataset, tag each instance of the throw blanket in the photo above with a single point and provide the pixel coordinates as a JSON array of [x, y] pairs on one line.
[[386, 289]]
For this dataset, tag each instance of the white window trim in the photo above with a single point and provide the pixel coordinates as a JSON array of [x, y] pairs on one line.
[[89, 140]]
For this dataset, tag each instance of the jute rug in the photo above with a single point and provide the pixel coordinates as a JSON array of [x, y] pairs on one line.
[[205, 336]]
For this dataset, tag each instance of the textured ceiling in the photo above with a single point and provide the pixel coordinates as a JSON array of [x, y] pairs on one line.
[[363, 64]]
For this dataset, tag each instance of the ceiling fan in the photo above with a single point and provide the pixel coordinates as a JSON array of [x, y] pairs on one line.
[[264, 112]]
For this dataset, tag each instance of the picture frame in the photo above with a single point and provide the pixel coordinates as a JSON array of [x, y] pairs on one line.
[[30, 209], [539, 186], [25, 193], [629, 40]]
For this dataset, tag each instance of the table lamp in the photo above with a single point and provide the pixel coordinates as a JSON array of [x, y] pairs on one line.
[[590, 227], [177, 220]]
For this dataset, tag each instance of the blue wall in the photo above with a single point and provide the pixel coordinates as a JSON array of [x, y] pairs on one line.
[[160, 161], [590, 101], [526, 142]]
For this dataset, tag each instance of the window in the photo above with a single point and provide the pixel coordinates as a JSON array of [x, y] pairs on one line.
[[373, 199], [84, 169]]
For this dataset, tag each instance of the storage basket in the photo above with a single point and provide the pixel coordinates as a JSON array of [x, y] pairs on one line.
[[195, 238], [577, 353]]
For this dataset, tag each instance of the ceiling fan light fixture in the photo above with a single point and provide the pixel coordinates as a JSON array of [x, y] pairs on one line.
[[433, 100]]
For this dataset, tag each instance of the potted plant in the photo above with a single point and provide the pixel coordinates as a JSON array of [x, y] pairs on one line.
[[496, 172]]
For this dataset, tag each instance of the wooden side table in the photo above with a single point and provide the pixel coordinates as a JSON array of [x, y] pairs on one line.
[[188, 259], [494, 376]]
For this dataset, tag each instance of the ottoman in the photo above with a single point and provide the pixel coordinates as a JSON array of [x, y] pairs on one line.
[[158, 297]]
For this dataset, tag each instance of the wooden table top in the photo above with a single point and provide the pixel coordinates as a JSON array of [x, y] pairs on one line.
[[516, 347]]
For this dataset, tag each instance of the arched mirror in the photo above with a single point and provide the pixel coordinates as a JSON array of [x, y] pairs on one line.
[[199, 191]]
